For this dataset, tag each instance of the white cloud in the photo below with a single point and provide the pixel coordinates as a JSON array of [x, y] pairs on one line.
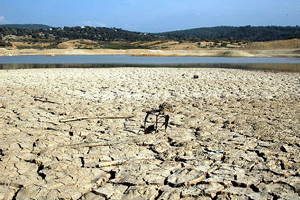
[[3, 20], [93, 23]]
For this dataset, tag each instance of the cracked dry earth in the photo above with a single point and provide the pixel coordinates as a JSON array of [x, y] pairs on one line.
[[234, 134]]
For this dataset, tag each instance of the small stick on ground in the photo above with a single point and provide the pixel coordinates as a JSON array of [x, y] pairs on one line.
[[95, 144], [44, 100], [16, 185], [98, 117], [122, 161]]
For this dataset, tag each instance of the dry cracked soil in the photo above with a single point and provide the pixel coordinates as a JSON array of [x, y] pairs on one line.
[[234, 134]]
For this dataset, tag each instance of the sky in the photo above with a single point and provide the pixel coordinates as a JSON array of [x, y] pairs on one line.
[[152, 16]]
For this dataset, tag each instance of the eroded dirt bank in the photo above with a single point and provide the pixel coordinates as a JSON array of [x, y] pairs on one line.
[[146, 52], [234, 134]]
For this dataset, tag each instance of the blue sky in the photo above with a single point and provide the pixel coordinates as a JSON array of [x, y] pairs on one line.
[[151, 15]]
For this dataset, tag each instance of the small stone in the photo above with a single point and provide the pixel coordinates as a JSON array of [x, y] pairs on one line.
[[185, 176], [109, 190], [130, 177], [278, 189], [293, 182], [26, 167], [92, 196], [7, 192], [156, 177], [28, 192], [169, 193], [213, 189], [203, 165], [141, 192], [194, 191], [247, 180], [237, 191]]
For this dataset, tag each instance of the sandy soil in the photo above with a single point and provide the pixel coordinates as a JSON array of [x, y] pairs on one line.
[[145, 52], [234, 134], [278, 48]]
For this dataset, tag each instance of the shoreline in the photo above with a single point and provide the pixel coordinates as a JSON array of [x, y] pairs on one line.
[[287, 53]]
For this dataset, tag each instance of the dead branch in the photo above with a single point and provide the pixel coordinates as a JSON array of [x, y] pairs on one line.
[[97, 117], [95, 144], [44, 100], [121, 161], [16, 185], [112, 163]]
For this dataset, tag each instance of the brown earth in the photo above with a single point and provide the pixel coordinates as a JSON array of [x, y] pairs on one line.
[[283, 48], [278, 44], [234, 134]]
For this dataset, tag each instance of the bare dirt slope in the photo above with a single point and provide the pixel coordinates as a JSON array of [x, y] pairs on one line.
[[284, 48], [278, 44]]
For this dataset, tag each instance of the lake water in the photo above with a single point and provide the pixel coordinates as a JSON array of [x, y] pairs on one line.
[[98, 61]]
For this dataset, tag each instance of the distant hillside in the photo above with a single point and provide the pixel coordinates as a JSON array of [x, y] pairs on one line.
[[73, 33], [26, 26], [228, 33], [247, 33]]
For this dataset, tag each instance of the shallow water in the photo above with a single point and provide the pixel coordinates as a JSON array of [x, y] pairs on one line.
[[104, 61]]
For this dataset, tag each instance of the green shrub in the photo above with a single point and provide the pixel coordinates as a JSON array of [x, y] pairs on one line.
[[5, 44]]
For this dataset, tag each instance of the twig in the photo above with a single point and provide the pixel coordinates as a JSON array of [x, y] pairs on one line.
[[94, 144], [97, 117], [16, 185], [121, 161], [74, 119], [44, 100], [111, 163]]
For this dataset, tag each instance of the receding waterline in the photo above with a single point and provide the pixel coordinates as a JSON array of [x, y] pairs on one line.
[[106, 61], [127, 59]]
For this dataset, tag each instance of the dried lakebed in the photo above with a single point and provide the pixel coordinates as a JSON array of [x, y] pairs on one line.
[[234, 134]]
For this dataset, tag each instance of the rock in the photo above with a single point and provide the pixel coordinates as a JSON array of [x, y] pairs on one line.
[[224, 179], [160, 147], [237, 191], [185, 176], [294, 182], [156, 177], [91, 162], [128, 177], [7, 192], [195, 191], [26, 167], [247, 180], [204, 165], [278, 189], [28, 192], [291, 196], [168, 192], [141, 192], [213, 189], [110, 191], [92, 196]]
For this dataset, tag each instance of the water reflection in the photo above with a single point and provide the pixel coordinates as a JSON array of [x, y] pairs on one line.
[[127, 59], [291, 67]]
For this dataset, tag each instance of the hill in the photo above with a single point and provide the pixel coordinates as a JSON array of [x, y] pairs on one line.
[[26, 26], [246, 33], [73, 33], [215, 34]]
